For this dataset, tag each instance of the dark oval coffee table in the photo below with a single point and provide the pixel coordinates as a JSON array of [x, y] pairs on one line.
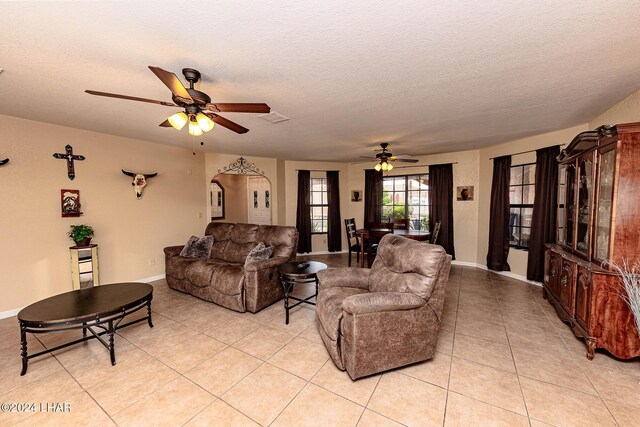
[[102, 307], [292, 273]]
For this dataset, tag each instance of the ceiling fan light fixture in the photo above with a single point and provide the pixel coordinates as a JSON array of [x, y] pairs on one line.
[[389, 166], [178, 120], [195, 129], [205, 123], [378, 167]]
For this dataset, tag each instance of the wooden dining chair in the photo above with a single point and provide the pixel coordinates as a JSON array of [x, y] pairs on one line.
[[375, 235], [401, 223], [352, 238], [436, 231]]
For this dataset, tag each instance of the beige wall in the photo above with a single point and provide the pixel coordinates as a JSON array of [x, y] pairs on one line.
[[517, 258], [465, 214], [235, 197], [626, 111], [34, 254]]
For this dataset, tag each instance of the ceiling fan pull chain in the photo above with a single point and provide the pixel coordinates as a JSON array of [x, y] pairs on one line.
[[193, 142]]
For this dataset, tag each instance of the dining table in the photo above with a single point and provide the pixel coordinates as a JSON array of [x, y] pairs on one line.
[[363, 235]]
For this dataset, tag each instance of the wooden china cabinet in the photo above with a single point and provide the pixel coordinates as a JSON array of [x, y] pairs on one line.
[[598, 220]]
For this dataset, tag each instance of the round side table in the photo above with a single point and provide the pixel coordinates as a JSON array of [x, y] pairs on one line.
[[293, 273]]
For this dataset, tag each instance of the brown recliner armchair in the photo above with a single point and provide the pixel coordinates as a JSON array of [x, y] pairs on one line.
[[373, 320]]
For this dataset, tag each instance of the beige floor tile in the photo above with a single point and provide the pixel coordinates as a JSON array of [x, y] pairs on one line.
[[264, 342], [626, 416], [317, 407], [173, 404], [616, 385], [301, 357], [138, 381], [221, 372], [527, 323], [409, 401], [549, 367], [484, 352], [479, 329], [312, 334], [37, 368], [480, 313], [560, 406], [445, 341], [205, 319], [538, 341], [372, 419], [434, 371], [191, 352], [232, 330], [220, 414], [83, 411], [464, 411], [264, 393], [160, 338], [339, 382], [490, 385]]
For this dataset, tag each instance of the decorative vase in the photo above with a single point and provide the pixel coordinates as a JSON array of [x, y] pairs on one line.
[[464, 194]]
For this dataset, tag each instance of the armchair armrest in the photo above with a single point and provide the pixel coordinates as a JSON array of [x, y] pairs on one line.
[[344, 277], [376, 302], [173, 250], [265, 263]]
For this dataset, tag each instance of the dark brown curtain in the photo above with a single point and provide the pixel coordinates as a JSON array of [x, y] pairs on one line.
[[303, 213], [543, 222], [441, 204], [499, 215], [372, 196], [334, 232]]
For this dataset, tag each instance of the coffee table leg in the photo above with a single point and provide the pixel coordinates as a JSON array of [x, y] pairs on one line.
[[149, 314], [112, 349], [23, 349], [285, 285], [84, 329]]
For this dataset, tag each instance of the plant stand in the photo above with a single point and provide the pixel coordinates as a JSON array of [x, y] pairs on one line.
[[84, 266]]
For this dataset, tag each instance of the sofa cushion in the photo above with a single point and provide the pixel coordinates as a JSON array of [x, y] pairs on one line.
[[283, 239], [228, 278], [237, 252], [405, 265], [197, 247], [259, 253], [244, 233], [329, 308], [177, 266], [219, 230], [217, 249], [199, 273]]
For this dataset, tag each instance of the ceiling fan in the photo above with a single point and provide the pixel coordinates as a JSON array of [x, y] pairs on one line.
[[384, 158], [199, 111]]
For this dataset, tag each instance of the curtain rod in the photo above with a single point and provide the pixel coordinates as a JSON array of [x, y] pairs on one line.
[[528, 151], [318, 170]]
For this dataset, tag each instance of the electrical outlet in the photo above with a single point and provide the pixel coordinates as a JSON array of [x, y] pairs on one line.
[[152, 261]]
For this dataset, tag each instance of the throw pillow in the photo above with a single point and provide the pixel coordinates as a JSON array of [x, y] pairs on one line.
[[198, 248], [259, 253]]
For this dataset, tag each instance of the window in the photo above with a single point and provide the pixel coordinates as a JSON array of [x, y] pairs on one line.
[[521, 196], [319, 205], [407, 196]]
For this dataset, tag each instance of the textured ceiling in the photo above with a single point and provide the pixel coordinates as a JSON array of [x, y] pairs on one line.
[[432, 76]]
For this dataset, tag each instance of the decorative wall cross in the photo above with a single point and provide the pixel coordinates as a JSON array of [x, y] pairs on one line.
[[69, 157]]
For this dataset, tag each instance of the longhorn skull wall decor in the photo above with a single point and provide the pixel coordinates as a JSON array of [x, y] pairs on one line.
[[139, 181]]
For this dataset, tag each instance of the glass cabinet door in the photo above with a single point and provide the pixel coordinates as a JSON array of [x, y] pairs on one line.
[[585, 194], [605, 196], [562, 195], [570, 202]]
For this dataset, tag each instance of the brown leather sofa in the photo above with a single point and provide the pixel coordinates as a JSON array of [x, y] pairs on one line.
[[223, 278], [372, 320]]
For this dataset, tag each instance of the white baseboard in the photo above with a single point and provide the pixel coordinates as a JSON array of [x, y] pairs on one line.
[[323, 253], [11, 313], [502, 273]]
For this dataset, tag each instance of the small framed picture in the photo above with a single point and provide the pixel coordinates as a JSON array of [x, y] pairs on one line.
[[465, 193], [356, 195], [70, 203]]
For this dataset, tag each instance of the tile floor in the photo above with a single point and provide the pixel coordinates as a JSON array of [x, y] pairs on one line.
[[503, 358]]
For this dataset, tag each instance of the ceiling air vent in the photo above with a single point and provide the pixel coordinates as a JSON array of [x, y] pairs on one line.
[[274, 117]]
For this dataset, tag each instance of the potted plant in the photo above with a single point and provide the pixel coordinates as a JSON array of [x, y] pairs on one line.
[[630, 276], [81, 234]]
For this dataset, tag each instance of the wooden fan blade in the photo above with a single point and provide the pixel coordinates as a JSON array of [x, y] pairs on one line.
[[406, 160], [166, 124], [227, 123], [173, 83], [367, 157], [132, 98], [238, 107]]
